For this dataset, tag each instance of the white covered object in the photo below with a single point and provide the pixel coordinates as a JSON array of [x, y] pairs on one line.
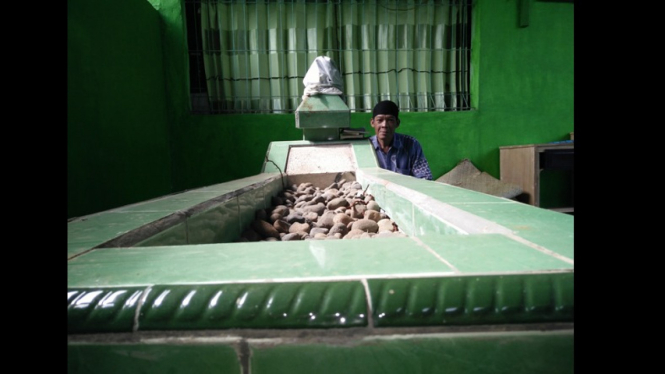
[[323, 77]]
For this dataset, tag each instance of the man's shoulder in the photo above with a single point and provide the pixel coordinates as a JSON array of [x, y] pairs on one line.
[[407, 140]]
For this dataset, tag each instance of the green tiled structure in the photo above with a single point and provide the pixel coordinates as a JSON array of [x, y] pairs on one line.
[[481, 284]]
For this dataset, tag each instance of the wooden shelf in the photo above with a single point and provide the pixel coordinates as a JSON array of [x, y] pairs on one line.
[[563, 210], [521, 165]]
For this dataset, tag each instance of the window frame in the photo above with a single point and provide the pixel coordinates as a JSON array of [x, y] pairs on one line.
[[197, 81]]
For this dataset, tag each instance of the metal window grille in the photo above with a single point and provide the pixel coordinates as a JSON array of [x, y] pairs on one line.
[[417, 53]]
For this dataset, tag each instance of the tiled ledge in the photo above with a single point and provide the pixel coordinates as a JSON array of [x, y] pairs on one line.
[[170, 263], [152, 220], [372, 303], [488, 349]]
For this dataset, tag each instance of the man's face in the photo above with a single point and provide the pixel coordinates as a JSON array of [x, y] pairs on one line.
[[384, 125]]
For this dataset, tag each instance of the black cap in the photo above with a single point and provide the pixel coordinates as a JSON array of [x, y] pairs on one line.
[[385, 107]]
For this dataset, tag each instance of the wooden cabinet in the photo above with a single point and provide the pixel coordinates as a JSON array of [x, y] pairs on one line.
[[522, 165]]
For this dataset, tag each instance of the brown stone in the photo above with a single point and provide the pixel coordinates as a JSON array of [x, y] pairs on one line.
[[337, 202], [291, 236], [366, 225], [373, 205], [353, 234], [373, 215], [342, 218], [299, 227], [281, 226], [386, 225], [318, 208], [339, 228], [264, 229]]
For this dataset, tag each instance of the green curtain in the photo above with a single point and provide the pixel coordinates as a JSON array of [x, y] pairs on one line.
[[257, 52]]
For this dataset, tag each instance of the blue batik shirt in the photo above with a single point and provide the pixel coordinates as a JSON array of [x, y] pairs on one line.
[[405, 157]]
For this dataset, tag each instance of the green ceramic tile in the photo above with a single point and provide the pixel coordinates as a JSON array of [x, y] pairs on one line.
[[491, 253], [552, 230], [450, 299], [510, 294], [152, 358], [253, 261], [405, 181], [103, 227], [419, 302], [278, 154], [494, 278], [266, 195], [408, 181], [398, 208], [172, 203], [101, 309], [394, 299], [538, 296], [545, 352], [259, 178], [564, 293], [480, 296], [74, 249], [254, 305], [248, 203], [376, 190], [274, 188], [220, 188], [448, 193], [228, 227], [425, 223], [448, 218], [365, 156], [218, 224], [467, 300], [175, 235], [383, 174]]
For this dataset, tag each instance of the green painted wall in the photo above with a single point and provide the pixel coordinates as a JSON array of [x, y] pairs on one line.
[[522, 80], [525, 77], [118, 149]]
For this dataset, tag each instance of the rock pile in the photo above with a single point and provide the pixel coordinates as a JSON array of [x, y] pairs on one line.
[[304, 212]]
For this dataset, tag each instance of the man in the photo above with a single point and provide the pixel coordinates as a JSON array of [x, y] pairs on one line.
[[396, 152]]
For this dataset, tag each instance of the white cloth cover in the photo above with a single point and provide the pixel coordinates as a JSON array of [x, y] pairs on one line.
[[323, 77]]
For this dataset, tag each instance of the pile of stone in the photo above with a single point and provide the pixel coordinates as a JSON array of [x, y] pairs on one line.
[[304, 212]]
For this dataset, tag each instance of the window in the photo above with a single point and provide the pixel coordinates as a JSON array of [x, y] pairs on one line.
[[251, 56]]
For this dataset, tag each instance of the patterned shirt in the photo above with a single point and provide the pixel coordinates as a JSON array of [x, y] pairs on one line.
[[405, 156]]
